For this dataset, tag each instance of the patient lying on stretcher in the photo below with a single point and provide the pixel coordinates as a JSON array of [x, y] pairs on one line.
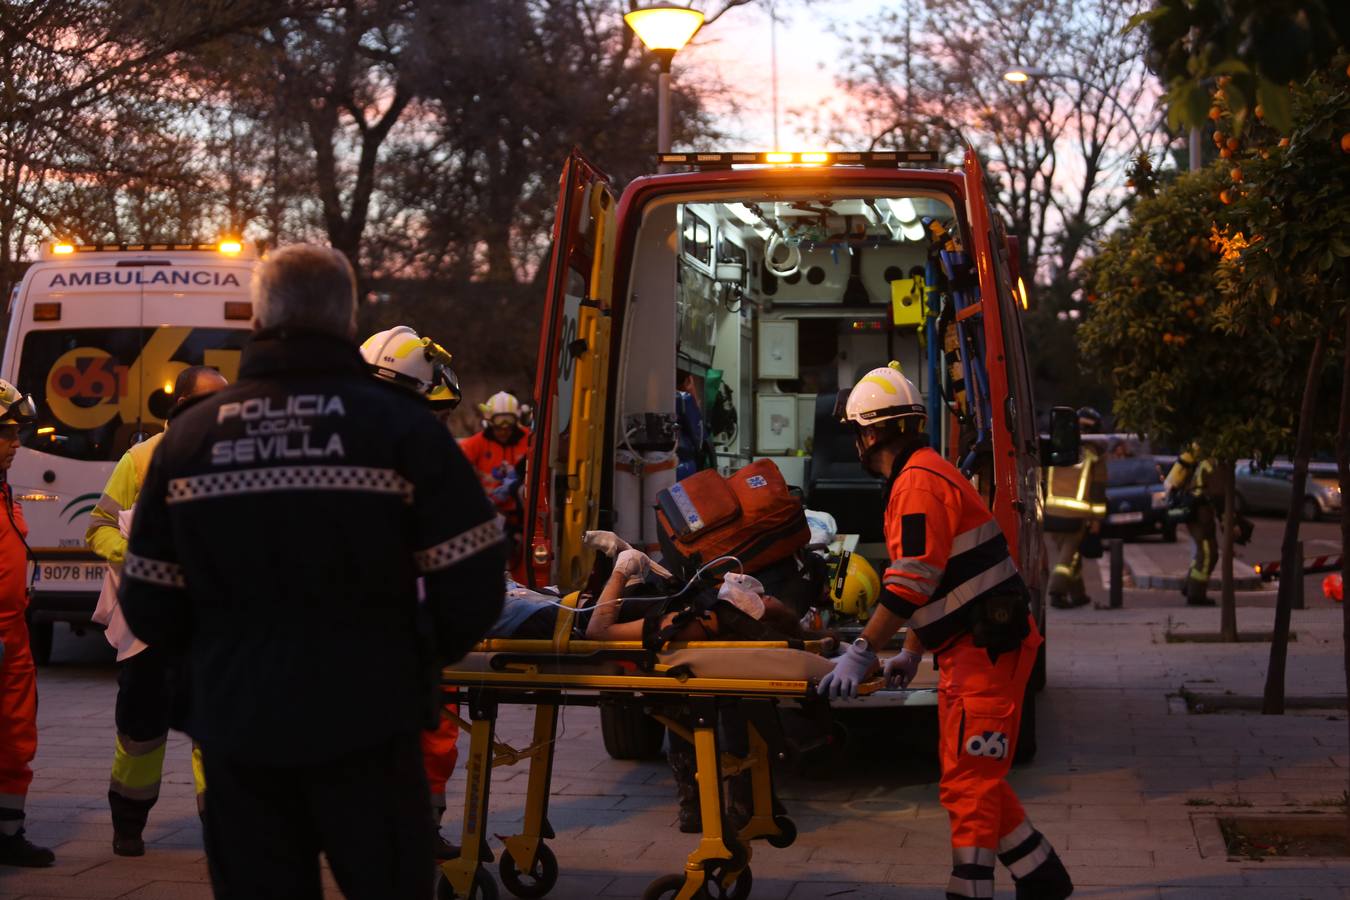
[[627, 603]]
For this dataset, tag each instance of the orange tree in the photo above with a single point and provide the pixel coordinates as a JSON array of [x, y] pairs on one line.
[[1285, 269], [1156, 333]]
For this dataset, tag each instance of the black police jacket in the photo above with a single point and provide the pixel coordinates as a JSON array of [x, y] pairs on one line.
[[278, 542]]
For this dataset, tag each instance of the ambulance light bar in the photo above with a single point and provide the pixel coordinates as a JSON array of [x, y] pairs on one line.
[[802, 158], [228, 247]]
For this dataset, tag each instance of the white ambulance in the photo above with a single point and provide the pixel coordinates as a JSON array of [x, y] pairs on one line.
[[97, 334]]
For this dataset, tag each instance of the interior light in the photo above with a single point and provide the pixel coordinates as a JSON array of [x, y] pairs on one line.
[[168, 388], [778, 158], [904, 210], [63, 249], [912, 231], [664, 26], [230, 248]]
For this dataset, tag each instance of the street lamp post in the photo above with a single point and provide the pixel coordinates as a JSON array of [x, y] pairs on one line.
[[664, 29], [1022, 75]]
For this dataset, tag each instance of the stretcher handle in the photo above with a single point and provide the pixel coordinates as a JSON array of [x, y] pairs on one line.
[[547, 648]]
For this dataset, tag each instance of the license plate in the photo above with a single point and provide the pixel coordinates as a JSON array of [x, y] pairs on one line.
[[63, 576], [1125, 518]]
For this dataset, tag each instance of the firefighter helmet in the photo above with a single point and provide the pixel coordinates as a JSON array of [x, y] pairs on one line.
[[399, 355], [882, 395], [501, 404], [854, 586], [16, 408]]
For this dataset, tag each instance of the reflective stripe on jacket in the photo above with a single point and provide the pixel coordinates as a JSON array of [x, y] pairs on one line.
[[103, 535], [947, 551], [1079, 491]]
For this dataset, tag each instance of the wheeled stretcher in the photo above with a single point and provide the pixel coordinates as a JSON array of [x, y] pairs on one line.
[[704, 678]]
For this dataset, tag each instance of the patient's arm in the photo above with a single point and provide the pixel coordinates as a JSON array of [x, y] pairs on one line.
[[604, 624]]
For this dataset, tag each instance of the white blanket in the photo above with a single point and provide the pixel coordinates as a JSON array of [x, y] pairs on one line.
[[108, 613]]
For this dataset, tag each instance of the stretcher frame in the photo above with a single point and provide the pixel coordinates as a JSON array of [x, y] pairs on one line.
[[719, 866]]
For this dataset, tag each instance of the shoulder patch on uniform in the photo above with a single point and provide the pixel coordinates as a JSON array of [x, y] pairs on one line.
[[914, 535]]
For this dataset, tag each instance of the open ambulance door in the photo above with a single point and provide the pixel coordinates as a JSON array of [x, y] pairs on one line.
[[1013, 429], [563, 482]]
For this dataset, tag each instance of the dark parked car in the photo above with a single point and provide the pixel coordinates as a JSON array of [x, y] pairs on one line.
[[1136, 501]]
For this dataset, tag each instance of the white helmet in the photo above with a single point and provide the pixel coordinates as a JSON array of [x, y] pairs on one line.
[[501, 404], [399, 355], [882, 395]]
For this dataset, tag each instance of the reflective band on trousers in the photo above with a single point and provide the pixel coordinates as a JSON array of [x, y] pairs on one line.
[[137, 767], [972, 856], [976, 890], [1015, 838]]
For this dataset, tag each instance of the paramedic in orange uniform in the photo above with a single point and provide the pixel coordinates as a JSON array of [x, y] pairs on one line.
[[952, 579], [18, 675], [496, 450]]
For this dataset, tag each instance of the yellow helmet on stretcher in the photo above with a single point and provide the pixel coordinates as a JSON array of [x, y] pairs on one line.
[[854, 586]]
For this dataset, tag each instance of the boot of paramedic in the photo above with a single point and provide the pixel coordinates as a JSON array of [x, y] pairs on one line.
[[145, 695], [400, 356], [952, 579], [18, 674]]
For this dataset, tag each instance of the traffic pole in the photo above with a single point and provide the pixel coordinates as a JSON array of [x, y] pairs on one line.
[[1296, 576], [1116, 547]]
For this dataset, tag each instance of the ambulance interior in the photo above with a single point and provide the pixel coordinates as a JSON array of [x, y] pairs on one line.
[[779, 301]]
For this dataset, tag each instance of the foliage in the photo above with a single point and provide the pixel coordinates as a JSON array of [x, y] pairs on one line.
[[1262, 45], [1288, 242], [1156, 334]]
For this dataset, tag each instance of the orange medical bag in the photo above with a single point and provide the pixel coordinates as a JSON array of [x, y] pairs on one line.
[[750, 515]]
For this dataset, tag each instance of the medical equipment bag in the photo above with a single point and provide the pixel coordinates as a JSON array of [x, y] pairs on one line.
[[750, 515]]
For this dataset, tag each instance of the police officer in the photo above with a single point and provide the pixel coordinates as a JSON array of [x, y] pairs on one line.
[[281, 532], [952, 579]]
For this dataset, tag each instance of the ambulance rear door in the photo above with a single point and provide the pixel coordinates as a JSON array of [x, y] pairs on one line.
[[571, 381], [1012, 409]]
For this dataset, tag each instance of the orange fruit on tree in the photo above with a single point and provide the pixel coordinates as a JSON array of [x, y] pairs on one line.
[[1219, 137], [1179, 267], [1284, 142], [1167, 337], [1232, 143], [1225, 198], [1215, 113], [1345, 142], [1226, 153], [1260, 111], [1275, 321], [1235, 173], [1199, 301], [1191, 314]]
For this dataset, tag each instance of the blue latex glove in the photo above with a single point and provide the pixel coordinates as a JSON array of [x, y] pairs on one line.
[[503, 491], [901, 669], [850, 670]]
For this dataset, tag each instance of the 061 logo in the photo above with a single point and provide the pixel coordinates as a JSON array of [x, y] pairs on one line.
[[993, 744]]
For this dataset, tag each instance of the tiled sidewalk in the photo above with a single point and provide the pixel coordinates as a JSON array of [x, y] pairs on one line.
[[1126, 785]]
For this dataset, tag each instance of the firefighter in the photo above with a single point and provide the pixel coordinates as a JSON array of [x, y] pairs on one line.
[[1193, 486], [952, 579], [144, 680], [1075, 505], [18, 675], [279, 539], [400, 356]]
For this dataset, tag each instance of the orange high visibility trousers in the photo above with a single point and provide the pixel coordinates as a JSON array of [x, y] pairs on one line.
[[18, 720], [440, 752], [979, 711]]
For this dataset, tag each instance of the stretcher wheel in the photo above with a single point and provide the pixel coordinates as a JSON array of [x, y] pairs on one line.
[[535, 883], [667, 887], [787, 833], [739, 889], [484, 888]]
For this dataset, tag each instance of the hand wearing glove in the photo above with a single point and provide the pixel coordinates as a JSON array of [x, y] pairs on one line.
[[850, 670], [606, 542], [744, 582], [901, 668], [503, 491], [632, 564]]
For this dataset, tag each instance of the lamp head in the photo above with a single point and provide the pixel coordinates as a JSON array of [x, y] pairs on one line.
[[664, 27], [1023, 74]]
